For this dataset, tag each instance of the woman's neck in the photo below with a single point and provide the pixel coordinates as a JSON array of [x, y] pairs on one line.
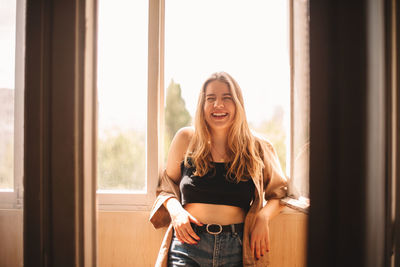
[[219, 139], [219, 142]]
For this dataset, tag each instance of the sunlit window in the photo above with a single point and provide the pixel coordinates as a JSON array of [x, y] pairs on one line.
[[122, 94], [247, 39], [12, 72], [7, 93]]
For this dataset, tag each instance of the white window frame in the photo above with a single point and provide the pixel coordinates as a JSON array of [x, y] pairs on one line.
[[143, 200], [13, 199], [295, 199]]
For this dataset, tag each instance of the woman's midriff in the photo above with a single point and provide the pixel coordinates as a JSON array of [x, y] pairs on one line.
[[214, 213]]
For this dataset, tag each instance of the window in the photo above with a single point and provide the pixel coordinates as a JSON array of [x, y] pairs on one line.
[[251, 42], [12, 32], [122, 100]]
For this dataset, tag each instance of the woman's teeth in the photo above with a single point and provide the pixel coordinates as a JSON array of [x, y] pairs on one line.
[[219, 114]]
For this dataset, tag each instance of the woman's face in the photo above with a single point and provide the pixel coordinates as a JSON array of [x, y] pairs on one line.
[[219, 108]]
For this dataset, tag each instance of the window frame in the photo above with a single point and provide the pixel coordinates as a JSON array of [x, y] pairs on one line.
[[13, 199], [295, 199], [143, 200]]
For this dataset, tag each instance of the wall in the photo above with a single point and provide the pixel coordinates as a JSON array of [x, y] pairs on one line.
[[11, 238], [128, 239]]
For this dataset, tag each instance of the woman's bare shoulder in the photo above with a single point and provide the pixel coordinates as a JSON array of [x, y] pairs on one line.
[[185, 133], [181, 140]]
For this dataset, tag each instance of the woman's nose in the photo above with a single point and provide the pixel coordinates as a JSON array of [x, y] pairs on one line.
[[219, 103]]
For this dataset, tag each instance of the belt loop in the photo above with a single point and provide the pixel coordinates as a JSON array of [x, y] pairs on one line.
[[233, 228]]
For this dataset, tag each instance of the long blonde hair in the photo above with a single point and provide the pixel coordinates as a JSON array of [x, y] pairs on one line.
[[245, 159]]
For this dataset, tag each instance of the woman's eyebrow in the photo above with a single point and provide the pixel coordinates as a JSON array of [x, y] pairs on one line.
[[225, 94]]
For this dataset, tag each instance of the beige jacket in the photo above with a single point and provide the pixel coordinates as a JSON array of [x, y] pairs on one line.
[[272, 185]]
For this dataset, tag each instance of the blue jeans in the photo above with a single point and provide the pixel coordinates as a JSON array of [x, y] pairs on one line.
[[224, 249]]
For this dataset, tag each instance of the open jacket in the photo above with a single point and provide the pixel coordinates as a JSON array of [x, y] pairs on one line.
[[272, 184]]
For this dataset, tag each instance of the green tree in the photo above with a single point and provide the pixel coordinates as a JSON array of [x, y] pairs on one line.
[[176, 114], [121, 160]]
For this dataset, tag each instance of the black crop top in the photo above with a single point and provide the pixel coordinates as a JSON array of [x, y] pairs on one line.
[[214, 188]]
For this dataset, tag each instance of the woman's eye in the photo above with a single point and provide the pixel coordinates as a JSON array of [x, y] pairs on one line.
[[227, 98], [211, 99]]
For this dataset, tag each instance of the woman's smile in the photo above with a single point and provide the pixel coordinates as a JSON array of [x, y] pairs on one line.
[[219, 115]]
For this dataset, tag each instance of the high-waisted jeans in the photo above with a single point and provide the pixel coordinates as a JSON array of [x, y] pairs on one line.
[[224, 249]]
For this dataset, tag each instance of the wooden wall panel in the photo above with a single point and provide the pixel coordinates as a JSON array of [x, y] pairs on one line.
[[128, 239], [11, 238], [288, 240]]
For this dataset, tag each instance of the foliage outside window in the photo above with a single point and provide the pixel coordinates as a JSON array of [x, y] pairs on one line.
[[122, 95]]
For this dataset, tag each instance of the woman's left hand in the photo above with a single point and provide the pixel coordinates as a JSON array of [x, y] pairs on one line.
[[259, 239]]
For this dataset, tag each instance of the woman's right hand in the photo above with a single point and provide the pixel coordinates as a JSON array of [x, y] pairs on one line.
[[181, 219]]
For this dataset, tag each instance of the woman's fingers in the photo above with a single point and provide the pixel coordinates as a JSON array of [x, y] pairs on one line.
[[259, 246], [192, 233], [267, 246], [186, 234], [253, 246], [194, 220], [263, 247], [257, 249], [188, 237], [178, 235], [183, 237]]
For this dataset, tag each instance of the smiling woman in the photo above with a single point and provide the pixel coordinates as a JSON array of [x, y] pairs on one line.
[[211, 191]]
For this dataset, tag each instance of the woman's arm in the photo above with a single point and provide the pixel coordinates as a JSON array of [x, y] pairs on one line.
[[275, 187], [177, 151], [168, 184], [180, 218], [260, 243]]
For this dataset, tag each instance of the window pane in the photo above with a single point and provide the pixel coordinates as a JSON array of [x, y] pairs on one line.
[[12, 46], [249, 40], [7, 86], [122, 94]]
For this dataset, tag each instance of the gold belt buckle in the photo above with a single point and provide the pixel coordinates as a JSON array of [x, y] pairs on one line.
[[214, 233]]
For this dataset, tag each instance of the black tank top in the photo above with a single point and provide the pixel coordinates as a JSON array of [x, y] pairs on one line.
[[214, 188]]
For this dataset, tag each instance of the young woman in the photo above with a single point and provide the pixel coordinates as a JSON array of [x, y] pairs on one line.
[[211, 192]]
